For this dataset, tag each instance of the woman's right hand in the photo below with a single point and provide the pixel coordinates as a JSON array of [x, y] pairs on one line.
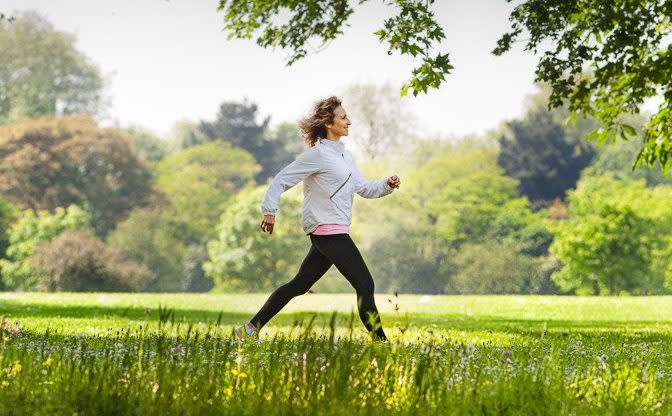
[[267, 223]]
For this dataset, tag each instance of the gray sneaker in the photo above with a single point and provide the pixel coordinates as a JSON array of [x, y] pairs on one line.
[[246, 331]]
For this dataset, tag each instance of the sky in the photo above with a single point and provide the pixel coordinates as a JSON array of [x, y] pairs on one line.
[[169, 60]]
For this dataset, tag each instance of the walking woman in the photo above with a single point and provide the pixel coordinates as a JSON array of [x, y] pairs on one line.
[[330, 181]]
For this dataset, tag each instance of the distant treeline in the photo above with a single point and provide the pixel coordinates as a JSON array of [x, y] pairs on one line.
[[532, 207]]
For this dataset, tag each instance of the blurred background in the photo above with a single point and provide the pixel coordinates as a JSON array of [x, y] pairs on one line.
[[136, 144]]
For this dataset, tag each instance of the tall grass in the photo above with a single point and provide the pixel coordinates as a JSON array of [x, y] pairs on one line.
[[168, 366]]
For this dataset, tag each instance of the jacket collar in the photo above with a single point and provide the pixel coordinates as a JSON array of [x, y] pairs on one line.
[[336, 145]]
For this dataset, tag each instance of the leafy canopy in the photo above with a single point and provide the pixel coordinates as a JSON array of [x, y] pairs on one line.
[[413, 31], [42, 73], [604, 58], [31, 229], [616, 239]]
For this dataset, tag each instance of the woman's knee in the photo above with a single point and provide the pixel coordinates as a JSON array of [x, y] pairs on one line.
[[369, 284], [366, 288]]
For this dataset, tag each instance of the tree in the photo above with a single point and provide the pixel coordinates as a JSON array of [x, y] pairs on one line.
[[412, 32], [495, 268], [77, 262], [463, 192], [51, 162], [624, 44], [150, 237], [537, 152], [42, 73], [195, 279], [409, 262], [27, 233], [237, 123], [615, 238], [285, 143], [380, 117], [617, 161], [243, 258], [145, 145], [185, 134], [455, 196], [199, 182], [194, 186], [8, 215]]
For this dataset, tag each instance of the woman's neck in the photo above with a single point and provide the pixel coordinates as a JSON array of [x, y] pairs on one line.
[[332, 137]]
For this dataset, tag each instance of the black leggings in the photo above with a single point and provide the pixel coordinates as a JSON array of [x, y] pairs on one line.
[[337, 249]]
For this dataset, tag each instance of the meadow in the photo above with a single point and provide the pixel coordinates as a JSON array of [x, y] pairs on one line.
[[151, 354]]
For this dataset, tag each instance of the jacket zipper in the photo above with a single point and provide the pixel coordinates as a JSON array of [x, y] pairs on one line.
[[342, 185]]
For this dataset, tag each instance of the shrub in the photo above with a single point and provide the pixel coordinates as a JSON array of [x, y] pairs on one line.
[[75, 261]]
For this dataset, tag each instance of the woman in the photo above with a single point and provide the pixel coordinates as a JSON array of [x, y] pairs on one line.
[[330, 181]]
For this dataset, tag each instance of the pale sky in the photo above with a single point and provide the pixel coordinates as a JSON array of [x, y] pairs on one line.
[[166, 61]]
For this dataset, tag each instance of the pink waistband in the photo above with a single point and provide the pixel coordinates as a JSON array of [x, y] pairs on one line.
[[326, 229]]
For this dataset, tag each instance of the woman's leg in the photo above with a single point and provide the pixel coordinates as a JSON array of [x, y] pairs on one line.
[[314, 266], [345, 255]]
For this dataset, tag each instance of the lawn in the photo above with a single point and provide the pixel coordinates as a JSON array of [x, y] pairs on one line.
[[154, 354]]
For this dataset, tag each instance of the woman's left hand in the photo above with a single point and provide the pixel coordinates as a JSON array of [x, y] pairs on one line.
[[394, 181]]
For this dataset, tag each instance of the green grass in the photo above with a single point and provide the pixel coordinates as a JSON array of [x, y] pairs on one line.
[[152, 354]]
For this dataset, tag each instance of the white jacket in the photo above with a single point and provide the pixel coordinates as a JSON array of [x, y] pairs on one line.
[[330, 181]]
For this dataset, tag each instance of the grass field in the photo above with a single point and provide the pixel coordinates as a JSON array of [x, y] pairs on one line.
[[151, 354]]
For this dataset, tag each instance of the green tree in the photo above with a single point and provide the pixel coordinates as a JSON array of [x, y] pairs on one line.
[[463, 192], [623, 43], [237, 123], [42, 73], [195, 279], [493, 267], [542, 157], [27, 233], [8, 215], [409, 262], [51, 162], [616, 160], [614, 238], [145, 145], [285, 143], [150, 237], [185, 134], [245, 259], [194, 186], [199, 182], [454, 195]]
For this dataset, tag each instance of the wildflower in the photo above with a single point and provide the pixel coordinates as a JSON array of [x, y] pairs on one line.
[[505, 355]]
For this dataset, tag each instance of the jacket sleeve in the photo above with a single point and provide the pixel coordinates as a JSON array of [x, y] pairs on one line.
[[374, 189], [305, 165]]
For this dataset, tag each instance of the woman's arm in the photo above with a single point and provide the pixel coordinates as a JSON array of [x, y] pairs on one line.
[[305, 164], [375, 189]]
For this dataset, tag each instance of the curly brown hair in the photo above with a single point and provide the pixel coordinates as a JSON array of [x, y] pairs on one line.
[[313, 128]]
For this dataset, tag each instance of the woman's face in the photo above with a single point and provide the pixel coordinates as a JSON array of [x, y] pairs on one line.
[[341, 123]]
